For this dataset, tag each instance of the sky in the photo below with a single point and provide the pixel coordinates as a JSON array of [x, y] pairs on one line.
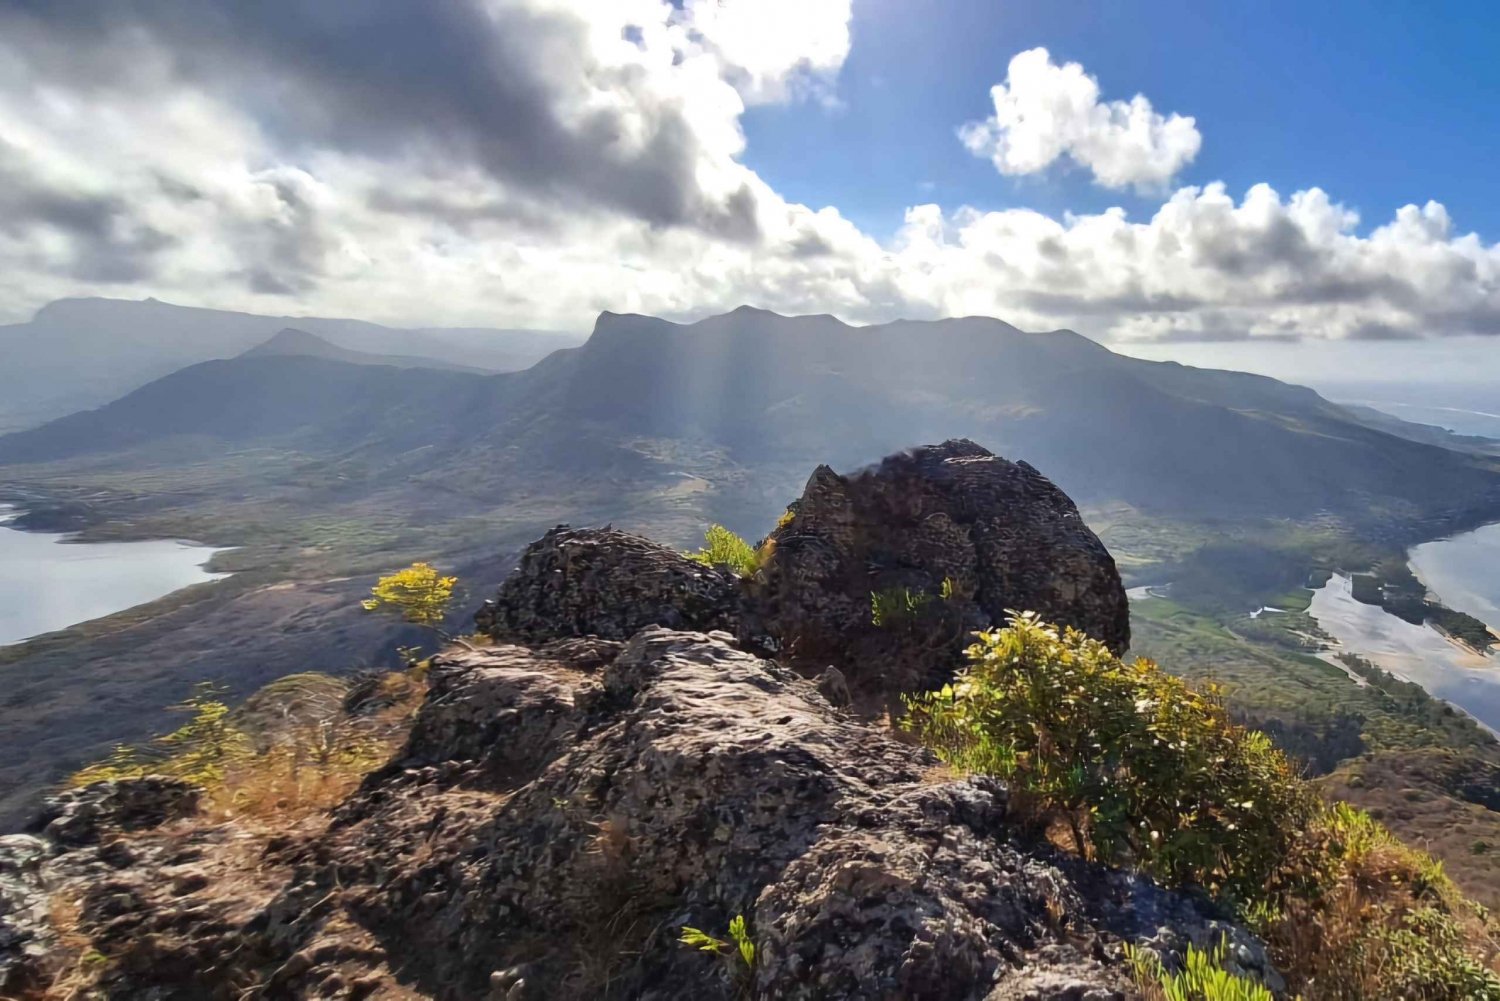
[[1151, 175]]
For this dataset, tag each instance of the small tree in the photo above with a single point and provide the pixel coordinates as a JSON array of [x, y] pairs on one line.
[[208, 743], [419, 595]]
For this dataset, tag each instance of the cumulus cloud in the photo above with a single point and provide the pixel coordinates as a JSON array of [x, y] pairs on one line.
[[1207, 267], [534, 162], [1044, 112]]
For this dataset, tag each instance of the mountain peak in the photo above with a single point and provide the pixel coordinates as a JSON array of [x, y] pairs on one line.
[[292, 341]]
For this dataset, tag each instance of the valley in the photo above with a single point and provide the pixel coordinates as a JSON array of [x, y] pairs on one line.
[[319, 471]]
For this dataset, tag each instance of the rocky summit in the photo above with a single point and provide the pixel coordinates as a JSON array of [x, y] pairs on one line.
[[953, 537], [642, 751]]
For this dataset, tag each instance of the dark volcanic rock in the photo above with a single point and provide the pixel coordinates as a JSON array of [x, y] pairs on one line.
[[691, 782], [957, 536], [601, 582], [80, 816], [26, 935], [999, 533], [559, 815]]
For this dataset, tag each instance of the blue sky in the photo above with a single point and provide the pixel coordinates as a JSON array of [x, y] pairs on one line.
[[1380, 104]]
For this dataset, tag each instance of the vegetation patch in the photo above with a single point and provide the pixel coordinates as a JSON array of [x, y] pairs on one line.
[[1202, 977], [1148, 770], [721, 547]]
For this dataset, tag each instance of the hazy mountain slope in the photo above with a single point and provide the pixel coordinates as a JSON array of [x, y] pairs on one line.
[[81, 353], [313, 403], [645, 399], [292, 341], [1102, 425]]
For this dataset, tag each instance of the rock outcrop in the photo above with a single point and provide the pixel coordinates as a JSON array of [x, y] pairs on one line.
[[561, 813], [66, 850], [953, 535], [81, 816], [26, 933], [606, 583]]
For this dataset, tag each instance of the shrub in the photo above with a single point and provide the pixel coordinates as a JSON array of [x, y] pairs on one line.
[[276, 769], [419, 595], [723, 548], [199, 751], [1361, 915], [1149, 770], [1142, 767]]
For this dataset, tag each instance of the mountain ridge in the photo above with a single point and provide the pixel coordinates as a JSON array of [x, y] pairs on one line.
[[764, 389], [80, 353], [294, 341]]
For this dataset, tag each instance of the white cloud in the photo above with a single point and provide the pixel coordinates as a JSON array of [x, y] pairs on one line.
[[773, 49], [1206, 267], [1044, 112], [128, 169]]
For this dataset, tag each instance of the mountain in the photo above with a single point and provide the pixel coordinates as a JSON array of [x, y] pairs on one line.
[[646, 402], [292, 341], [81, 353]]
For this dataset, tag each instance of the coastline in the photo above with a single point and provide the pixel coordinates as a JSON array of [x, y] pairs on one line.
[[59, 583], [1423, 655]]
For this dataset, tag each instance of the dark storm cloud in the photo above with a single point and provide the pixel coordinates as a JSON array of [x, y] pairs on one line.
[[492, 86], [1240, 252]]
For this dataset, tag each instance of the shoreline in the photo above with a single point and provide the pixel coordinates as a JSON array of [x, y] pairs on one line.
[[56, 591], [1435, 595], [1448, 670], [14, 517]]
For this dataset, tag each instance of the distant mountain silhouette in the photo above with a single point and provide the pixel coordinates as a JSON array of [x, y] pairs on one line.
[[292, 341], [81, 353], [744, 401]]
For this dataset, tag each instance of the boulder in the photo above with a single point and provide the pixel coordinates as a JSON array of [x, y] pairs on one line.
[[689, 782], [601, 582], [952, 538]]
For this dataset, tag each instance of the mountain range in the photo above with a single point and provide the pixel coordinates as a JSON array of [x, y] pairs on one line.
[[646, 405], [80, 353]]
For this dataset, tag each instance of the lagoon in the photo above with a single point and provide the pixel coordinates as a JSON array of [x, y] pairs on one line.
[[1421, 654], [48, 582], [1463, 572]]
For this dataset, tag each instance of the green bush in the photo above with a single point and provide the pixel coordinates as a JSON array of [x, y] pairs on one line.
[[1144, 768], [1148, 770], [723, 548]]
